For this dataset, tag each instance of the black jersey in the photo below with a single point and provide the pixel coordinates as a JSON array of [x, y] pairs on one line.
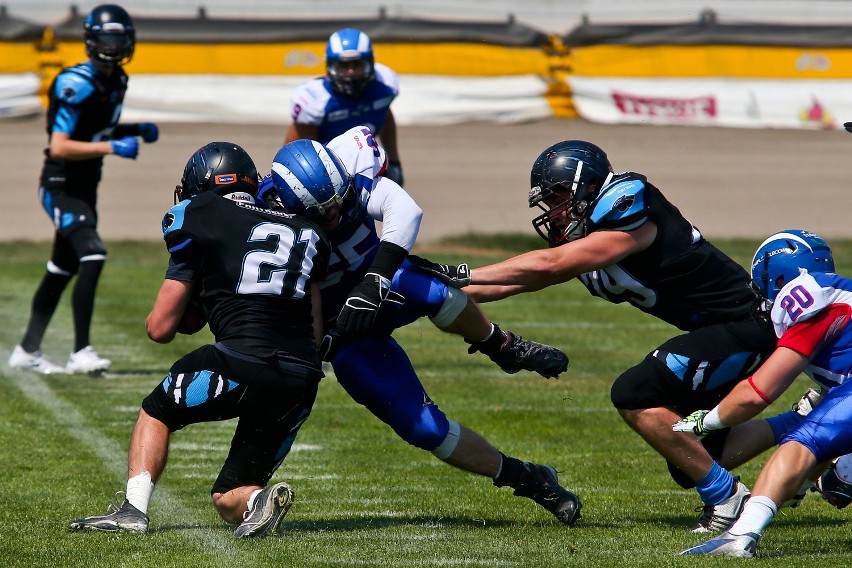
[[85, 104], [681, 278], [254, 267]]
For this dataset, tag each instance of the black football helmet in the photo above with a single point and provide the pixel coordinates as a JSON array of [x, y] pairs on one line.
[[221, 167], [110, 35], [565, 181]]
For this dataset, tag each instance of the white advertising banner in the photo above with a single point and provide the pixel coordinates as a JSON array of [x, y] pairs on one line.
[[423, 99], [744, 103]]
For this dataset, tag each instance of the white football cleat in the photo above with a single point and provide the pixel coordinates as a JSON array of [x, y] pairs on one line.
[[87, 361], [717, 518], [36, 362], [727, 544]]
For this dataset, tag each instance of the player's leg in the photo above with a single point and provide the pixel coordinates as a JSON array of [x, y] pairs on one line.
[[452, 311], [377, 373], [689, 372], [271, 412], [91, 253], [60, 269]]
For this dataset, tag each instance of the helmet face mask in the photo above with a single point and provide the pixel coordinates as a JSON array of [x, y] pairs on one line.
[[221, 167], [779, 258], [565, 181], [110, 36], [310, 180], [349, 62]]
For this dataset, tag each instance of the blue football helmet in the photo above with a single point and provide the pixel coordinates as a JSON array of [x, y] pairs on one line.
[[565, 181], [779, 258], [109, 34], [311, 181], [349, 62]]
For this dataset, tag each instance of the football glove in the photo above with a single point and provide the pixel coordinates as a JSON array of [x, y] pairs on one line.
[[808, 402], [127, 147], [394, 172], [694, 423], [148, 131], [454, 276], [362, 306]]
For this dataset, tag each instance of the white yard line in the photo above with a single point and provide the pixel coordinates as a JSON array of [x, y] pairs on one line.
[[114, 458]]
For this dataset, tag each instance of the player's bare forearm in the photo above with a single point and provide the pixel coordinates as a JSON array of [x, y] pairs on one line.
[[483, 294], [387, 136]]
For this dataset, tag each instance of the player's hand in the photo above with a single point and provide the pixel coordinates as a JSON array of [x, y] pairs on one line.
[[362, 306], [694, 424], [454, 276], [394, 172], [127, 147], [148, 131]]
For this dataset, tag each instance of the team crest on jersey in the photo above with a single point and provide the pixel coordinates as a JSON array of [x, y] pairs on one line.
[[168, 221], [624, 203], [69, 93]]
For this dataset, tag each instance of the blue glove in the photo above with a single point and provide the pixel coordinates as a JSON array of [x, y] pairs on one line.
[[127, 147], [148, 131]]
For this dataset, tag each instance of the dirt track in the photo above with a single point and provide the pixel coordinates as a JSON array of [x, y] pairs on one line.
[[474, 177]]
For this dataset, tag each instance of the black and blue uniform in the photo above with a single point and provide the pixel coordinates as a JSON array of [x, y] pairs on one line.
[[254, 268], [687, 282]]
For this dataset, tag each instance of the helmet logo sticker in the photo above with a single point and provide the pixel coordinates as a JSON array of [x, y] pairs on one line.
[[225, 179]]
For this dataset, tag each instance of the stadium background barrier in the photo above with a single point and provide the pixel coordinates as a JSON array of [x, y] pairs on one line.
[[734, 74]]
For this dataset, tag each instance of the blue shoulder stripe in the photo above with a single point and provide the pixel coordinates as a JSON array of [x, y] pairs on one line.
[[619, 202]]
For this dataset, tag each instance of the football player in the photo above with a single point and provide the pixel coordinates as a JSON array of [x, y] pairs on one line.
[[371, 289], [257, 273], [810, 307], [619, 235], [355, 91], [82, 125]]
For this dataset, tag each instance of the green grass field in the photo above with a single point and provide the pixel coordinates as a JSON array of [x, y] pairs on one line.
[[364, 498]]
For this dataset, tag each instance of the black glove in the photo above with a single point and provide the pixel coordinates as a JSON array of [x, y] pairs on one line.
[[394, 172], [362, 306], [454, 276]]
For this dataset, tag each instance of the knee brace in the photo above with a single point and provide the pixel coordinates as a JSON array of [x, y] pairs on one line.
[[448, 446], [451, 308]]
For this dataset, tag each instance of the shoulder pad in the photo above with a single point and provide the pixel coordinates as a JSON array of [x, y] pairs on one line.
[[800, 299], [74, 85], [174, 219], [360, 153], [308, 102], [387, 76], [619, 204]]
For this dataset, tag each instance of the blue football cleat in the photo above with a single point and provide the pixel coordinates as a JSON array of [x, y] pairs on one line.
[[727, 544]]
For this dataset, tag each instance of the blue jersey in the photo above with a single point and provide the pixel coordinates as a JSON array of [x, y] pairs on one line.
[[316, 104], [681, 278], [85, 104]]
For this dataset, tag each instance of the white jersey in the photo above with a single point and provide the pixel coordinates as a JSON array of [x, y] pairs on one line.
[[315, 103]]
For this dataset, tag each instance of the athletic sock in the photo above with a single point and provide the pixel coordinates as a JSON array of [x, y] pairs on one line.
[[757, 513], [83, 301], [45, 300], [716, 486], [139, 490]]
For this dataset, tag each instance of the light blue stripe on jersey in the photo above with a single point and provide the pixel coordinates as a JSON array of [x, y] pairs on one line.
[[178, 212]]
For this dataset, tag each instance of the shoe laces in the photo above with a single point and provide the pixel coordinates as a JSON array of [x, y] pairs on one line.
[[120, 497]]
